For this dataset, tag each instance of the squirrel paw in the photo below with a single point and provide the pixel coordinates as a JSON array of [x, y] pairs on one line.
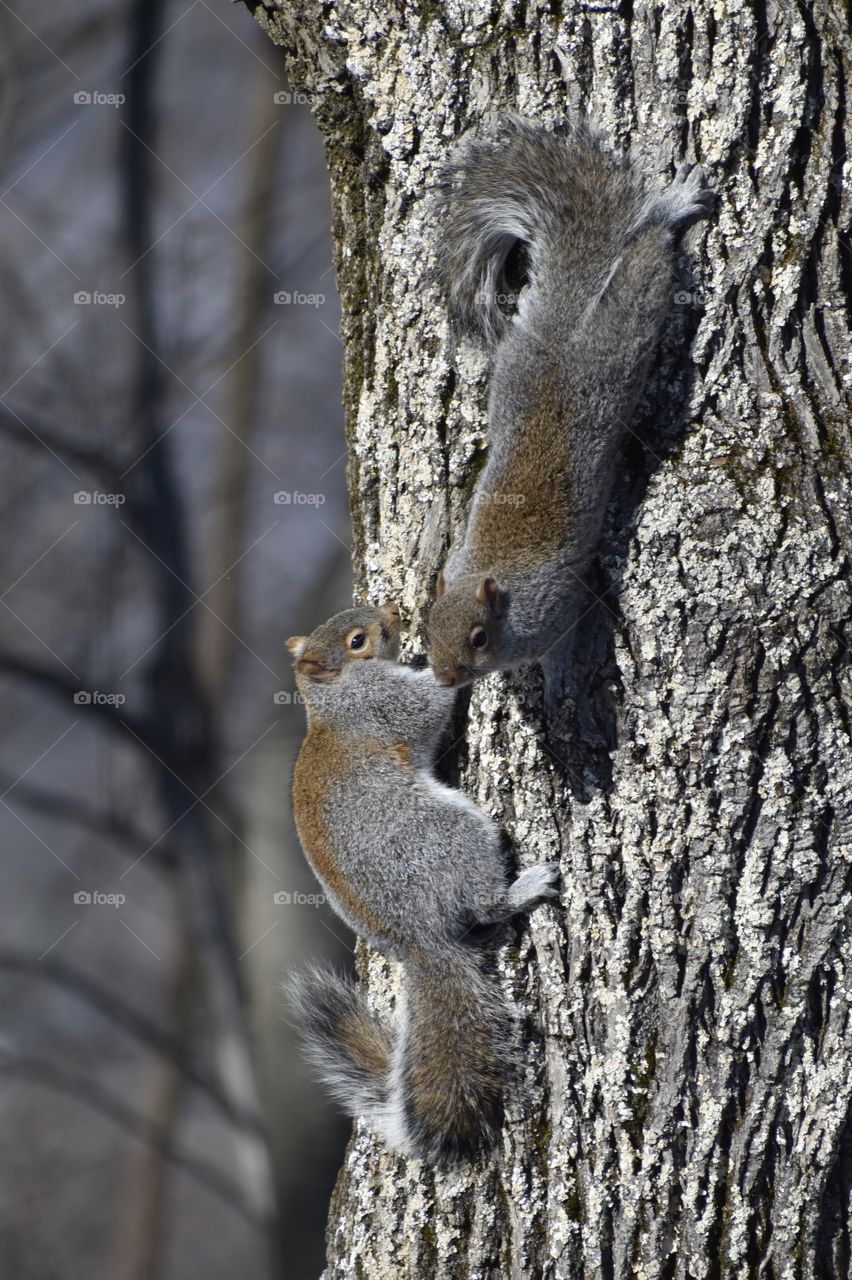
[[687, 199], [535, 885]]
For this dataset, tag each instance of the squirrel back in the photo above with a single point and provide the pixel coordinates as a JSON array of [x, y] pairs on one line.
[[554, 250]]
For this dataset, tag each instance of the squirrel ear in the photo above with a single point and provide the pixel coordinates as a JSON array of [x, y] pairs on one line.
[[296, 645], [440, 585], [489, 593]]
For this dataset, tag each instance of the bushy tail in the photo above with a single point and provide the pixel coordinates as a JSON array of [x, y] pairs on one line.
[[432, 1087], [552, 211], [350, 1049], [453, 1055], [512, 206]]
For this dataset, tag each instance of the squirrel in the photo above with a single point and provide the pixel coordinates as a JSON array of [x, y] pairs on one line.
[[416, 869], [552, 251]]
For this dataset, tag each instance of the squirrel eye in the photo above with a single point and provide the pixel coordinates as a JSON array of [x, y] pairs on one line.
[[479, 637], [358, 640]]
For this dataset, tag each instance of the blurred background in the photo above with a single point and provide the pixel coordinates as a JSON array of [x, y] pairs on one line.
[[174, 506]]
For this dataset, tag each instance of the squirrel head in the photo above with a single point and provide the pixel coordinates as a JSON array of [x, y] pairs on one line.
[[351, 636], [464, 632]]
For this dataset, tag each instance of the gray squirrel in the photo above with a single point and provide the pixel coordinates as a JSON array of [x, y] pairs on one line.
[[416, 869], [552, 250]]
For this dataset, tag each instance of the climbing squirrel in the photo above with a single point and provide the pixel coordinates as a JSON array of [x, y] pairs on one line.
[[417, 870], [552, 251]]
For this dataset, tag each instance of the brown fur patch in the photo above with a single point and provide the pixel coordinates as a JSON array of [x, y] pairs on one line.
[[314, 666], [402, 751], [366, 1043], [378, 635], [454, 1075], [522, 516], [324, 761]]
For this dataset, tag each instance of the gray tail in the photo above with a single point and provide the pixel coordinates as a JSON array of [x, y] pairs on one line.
[[435, 1088], [349, 1048], [512, 204], [452, 1056]]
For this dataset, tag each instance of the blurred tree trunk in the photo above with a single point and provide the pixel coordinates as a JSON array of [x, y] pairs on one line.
[[685, 1028]]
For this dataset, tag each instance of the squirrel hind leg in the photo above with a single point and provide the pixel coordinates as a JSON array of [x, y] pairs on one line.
[[686, 200], [533, 887]]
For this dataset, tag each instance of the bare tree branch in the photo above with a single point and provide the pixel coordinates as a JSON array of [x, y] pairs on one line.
[[84, 1089], [123, 1015], [27, 428], [131, 840], [50, 680]]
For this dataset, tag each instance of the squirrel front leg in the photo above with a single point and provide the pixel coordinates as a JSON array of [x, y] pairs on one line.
[[411, 705]]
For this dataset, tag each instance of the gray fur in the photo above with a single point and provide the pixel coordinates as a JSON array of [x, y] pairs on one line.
[[428, 866], [567, 370], [321, 998]]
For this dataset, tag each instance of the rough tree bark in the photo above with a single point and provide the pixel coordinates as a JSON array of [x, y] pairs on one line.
[[685, 1020]]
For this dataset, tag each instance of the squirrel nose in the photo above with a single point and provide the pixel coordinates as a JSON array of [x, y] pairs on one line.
[[445, 679]]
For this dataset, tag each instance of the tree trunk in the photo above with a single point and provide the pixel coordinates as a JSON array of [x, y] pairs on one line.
[[684, 1018]]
